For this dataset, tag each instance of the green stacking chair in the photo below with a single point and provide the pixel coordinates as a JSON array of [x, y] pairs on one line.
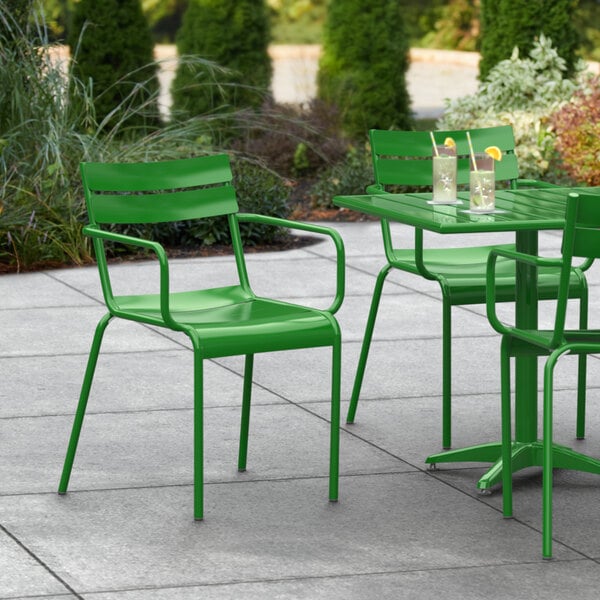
[[219, 321], [400, 158], [581, 239]]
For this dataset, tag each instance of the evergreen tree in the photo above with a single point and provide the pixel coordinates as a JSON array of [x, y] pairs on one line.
[[364, 63], [234, 34], [112, 46], [509, 23]]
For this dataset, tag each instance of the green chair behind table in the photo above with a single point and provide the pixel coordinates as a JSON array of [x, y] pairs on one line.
[[219, 321], [399, 158], [581, 239]]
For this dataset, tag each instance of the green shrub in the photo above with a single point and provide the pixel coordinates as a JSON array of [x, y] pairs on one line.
[[347, 177], [577, 129], [293, 141], [506, 24], [112, 47], [233, 34], [44, 136], [363, 66], [521, 92]]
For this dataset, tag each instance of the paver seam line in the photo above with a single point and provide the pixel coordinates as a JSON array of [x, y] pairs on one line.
[[39, 561], [166, 486], [352, 574]]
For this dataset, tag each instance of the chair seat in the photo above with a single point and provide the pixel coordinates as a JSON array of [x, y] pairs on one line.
[[462, 273], [231, 321]]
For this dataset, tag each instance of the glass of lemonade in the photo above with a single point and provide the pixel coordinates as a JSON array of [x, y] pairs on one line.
[[482, 184], [444, 175]]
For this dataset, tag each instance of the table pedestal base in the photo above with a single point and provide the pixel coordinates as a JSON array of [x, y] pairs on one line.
[[524, 454]]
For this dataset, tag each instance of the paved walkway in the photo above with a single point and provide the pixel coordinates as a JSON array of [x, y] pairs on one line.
[[125, 530], [433, 76]]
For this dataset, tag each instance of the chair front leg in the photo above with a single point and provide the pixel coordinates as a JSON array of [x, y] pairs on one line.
[[582, 369], [334, 448], [81, 406], [198, 431], [507, 509], [246, 402], [364, 351], [547, 457]]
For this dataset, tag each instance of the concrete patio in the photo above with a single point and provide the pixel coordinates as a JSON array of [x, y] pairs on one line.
[[125, 529]]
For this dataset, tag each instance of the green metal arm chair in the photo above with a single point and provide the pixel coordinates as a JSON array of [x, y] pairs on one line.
[[581, 239], [219, 321], [400, 158]]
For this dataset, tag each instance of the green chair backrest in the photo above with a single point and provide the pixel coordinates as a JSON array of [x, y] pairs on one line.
[[581, 239], [157, 192], [404, 157]]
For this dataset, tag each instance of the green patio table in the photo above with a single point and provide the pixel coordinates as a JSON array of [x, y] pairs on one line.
[[525, 212]]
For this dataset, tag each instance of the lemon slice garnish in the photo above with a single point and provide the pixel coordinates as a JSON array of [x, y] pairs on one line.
[[494, 152], [449, 143]]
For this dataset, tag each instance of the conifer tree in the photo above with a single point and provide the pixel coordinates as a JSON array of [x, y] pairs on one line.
[[364, 63], [509, 23], [233, 34], [113, 47]]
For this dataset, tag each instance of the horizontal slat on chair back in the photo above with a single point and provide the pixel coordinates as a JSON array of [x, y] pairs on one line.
[[586, 236], [404, 157], [159, 191]]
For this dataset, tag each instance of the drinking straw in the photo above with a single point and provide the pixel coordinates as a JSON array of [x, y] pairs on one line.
[[434, 144], [471, 150]]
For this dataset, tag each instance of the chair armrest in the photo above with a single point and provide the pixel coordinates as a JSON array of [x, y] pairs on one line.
[[490, 296], [535, 183], [319, 229], [100, 234]]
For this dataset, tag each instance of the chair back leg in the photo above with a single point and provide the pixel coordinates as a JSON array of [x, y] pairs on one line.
[[446, 373], [81, 406], [246, 402], [364, 350]]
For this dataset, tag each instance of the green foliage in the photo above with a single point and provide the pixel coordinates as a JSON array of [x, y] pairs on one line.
[[364, 63], [113, 49], [577, 129], [40, 208], [509, 23], [587, 22], [521, 92], [297, 21], [293, 141], [44, 136], [347, 177], [233, 34], [456, 26]]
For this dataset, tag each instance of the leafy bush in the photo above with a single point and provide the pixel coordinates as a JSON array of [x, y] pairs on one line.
[[347, 177], [233, 34], [113, 49], [577, 129], [44, 136], [363, 66], [521, 92], [506, 24], [294, 142]]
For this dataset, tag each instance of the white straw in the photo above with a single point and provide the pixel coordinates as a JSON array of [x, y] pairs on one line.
[[471, 150], [434, 144]]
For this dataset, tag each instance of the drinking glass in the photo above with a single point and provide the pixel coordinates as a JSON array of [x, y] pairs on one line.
[[444, 175], [482, 183]]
